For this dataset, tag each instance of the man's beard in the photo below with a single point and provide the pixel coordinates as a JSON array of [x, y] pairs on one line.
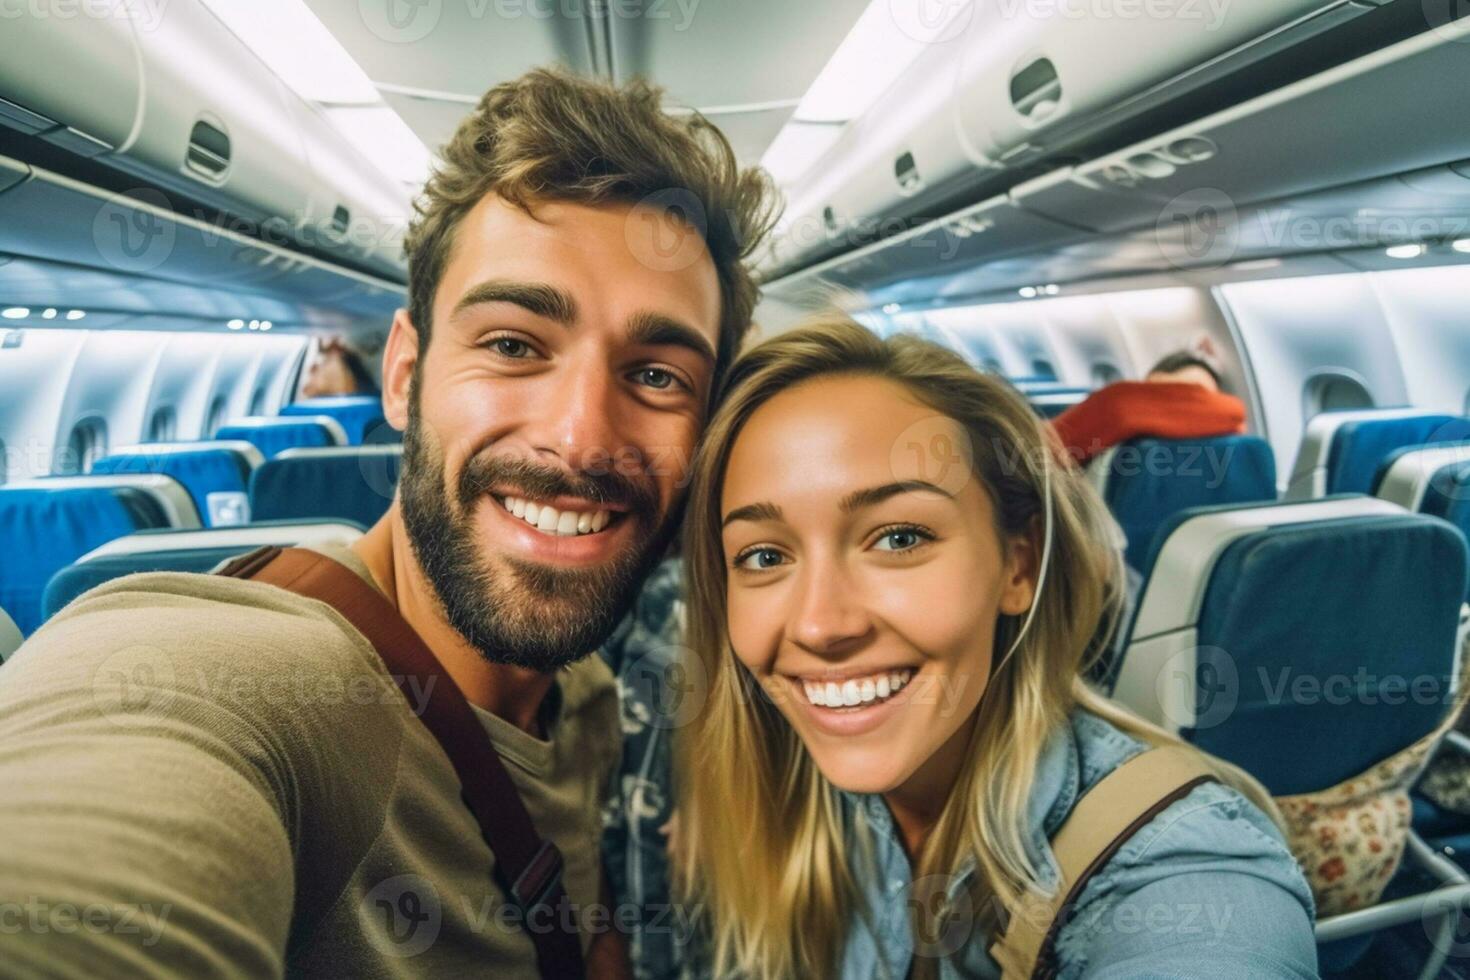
[[517, 612]]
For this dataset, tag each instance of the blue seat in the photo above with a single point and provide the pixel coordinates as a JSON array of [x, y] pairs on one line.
[[47, 524], [273, 436], [355, 483], [359, 415], [1146, 481], [1343, 452], [216, 474], [1432, 480], [1304, 642], [181, 551]]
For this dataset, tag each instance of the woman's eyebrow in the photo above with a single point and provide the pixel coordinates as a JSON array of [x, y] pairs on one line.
[[876, 495], [752, 512]]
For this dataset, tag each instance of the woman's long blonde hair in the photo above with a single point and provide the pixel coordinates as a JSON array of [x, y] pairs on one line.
[[763, 840]]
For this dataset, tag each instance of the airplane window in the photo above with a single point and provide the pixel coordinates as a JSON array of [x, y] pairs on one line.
[[1042, 368], [993, 366], [1333, 392], [86, 444], [4, 462], [1104, 373], [162, 426], [1467, 403], [257, 402], [215, 417]]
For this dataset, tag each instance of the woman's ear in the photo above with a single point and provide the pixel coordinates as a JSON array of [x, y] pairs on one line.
[[1018, 587]]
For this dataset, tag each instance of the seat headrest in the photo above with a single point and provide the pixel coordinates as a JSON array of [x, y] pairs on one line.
[[1292, 639], [216, 474], [272, 435], [1341, 452], [356, 483], [53, 522], [359, 415], [1146, 481]]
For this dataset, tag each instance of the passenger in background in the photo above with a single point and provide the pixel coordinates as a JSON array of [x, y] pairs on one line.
[[1182, 397], [893, 585], [338, 369]]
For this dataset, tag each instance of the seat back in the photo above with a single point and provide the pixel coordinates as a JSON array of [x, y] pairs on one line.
[[181, 551], [1146, 481], [47, 524], [273, 436], [10, 638], [359, 415], [1432, 480], [1342, 452], [353, 483], [216, 474], [1304, 642]]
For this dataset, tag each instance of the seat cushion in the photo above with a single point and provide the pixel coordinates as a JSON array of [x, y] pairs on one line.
[[335, 483], [217, 479], [360, 415], [46, 530], [1336, 640], [1360, 447], [1150, 480]]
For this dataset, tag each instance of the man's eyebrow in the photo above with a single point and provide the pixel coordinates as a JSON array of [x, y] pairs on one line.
[[876, 495], [656, 330], [539, 298], [752, 512]]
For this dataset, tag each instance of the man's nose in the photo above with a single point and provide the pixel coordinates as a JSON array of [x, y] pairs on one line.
[[579, 422]]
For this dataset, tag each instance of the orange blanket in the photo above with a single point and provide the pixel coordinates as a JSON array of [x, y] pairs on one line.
[[1130, 409]]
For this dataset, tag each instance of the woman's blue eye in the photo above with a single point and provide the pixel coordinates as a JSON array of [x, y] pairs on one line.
[[900, 540], [760, 558], [511, 347]]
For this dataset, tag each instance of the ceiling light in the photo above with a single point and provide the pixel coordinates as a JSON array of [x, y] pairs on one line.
[[1462, 245], [1051, 289], [294, 44], [891, 308], [886, 39], [75, 314], [49, 313], [236, 324], [1406, 251], [265, 324], [382, 136], [15, 313], [1028, 292]]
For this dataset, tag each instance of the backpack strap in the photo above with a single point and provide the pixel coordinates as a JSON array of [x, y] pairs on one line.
[[527, 867], [1102, 821]]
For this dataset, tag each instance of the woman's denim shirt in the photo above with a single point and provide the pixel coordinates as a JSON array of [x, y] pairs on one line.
[[1206, 889]]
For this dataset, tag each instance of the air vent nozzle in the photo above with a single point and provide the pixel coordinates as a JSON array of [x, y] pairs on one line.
[[907, 173], [341, 219], [1036, 90], [209, 153]]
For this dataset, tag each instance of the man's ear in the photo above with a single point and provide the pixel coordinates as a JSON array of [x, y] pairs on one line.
[[1023, 564], [400, 355]]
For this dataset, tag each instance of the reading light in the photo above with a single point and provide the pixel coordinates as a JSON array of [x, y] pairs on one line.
[[236, 324], [15, 313], [75, 314], [1462, 245], [1028, 292], [1406, 251], [48, 314], [891, 308]]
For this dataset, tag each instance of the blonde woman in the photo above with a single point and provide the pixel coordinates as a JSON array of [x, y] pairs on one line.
[[894, 587]]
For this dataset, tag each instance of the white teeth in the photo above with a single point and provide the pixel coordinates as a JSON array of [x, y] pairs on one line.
[[549, 520], [857, 690]]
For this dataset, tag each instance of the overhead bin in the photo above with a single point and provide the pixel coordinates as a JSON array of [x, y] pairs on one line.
[[180, 103], [1023, 81]]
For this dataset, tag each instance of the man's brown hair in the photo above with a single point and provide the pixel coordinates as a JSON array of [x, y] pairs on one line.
[[552, 136]]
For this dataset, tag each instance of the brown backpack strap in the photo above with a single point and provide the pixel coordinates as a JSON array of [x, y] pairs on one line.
[[1103, 820], [528, 867]]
